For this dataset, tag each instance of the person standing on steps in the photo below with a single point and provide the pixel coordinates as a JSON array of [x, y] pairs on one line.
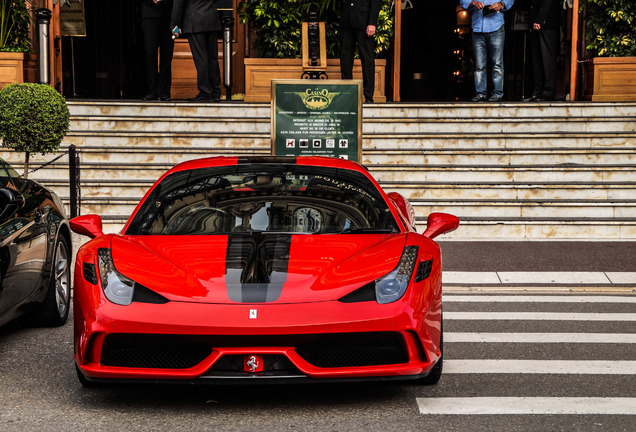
[[155, 23], [358, 21], [545, 45], [488, 42], [199, 20]]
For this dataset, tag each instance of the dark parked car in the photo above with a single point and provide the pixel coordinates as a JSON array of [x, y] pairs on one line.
[[35, 251]]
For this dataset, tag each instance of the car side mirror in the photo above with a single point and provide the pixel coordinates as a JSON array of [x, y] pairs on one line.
[[88, 225], [10, 201], [440, 223], [404, 207]]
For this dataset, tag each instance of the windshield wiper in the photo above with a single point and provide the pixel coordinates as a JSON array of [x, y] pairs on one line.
[[368, 230]]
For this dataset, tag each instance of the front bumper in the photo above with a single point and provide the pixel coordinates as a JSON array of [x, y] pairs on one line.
[[207, 343]]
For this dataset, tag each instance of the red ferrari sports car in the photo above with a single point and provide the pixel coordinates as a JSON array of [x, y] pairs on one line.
[[261, 269]]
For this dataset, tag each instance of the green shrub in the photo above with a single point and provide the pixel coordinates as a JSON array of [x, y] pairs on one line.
[[14, 26], [34, 118], [277, 25], [610, 27]]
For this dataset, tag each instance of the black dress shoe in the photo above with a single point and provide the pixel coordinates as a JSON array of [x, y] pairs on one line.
[[149, 98], [165, 98], [543, 99], [200, 98], [530, 99], [478, 98]]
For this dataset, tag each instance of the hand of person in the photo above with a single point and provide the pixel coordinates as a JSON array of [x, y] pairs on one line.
[[496, 6], [536, 26], [476, 4], [370, 30]]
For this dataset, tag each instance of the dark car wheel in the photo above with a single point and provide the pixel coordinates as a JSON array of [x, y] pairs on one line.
[[436, 373], [82, 379], [57, 303]]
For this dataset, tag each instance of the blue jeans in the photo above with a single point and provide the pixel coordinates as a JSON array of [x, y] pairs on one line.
[[489, 45]]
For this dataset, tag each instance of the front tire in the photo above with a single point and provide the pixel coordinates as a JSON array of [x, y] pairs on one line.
[[57, 303], [436, 373]]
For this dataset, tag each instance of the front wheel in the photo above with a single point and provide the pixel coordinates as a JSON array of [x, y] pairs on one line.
[[57, 303], [436, 373]]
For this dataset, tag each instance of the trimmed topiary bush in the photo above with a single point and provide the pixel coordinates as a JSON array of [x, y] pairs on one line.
[[34, 118]]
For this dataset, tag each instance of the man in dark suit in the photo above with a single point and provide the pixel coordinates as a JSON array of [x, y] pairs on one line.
[[199, 20], [358, 21], [155, 22], [545, 43]]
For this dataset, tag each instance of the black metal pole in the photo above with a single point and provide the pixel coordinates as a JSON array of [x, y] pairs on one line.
[[73, 167]]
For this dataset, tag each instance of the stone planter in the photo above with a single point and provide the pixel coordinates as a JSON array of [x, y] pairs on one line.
[[614, 79], [259, 73], [11, 68]]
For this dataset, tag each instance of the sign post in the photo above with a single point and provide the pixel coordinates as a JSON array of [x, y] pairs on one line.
[[317, 118]]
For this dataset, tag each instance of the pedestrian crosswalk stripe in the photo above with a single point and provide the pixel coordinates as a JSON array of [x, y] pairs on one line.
[[542, 278], [527, 405], [622, 338], [537, 299], [582, 367], [547, 316]]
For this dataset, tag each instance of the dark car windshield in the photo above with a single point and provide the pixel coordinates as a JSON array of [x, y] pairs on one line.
[[263, 198]]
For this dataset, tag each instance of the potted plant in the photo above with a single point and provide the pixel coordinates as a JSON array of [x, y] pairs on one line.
[[277, 25], [33, 118], [611, 39], [15, 20]]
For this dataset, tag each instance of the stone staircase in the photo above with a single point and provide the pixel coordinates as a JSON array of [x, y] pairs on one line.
[[509, 171]]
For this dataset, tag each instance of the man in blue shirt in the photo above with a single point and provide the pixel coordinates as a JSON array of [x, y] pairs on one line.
[[488, 40]]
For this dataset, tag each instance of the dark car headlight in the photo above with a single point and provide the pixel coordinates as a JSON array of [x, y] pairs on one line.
[[118, 288], [391, 287]]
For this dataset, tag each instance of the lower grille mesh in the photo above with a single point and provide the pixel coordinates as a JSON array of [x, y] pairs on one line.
[[147, 351], [350, 350], [320, 350]]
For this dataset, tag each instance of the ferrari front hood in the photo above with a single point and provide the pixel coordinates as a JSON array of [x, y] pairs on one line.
[[257, 267]]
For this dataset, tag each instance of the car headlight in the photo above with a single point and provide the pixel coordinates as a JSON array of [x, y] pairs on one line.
[[117, 287], [391, 287]]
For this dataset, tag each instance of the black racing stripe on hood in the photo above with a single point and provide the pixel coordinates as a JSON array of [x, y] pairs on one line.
[[248, 160], [256, 266]]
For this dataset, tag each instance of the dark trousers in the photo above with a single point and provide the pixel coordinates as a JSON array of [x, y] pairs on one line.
[[158, 39], [545, 45], [348, 39], [206, 60]]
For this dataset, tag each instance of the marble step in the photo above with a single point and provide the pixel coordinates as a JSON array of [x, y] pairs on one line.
[[534, 191], [379, 110], [370, 126], [482, 209], [390, 173], [454, 158]]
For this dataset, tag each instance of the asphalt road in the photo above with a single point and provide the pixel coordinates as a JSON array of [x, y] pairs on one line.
[[39, 389], [545, 256]]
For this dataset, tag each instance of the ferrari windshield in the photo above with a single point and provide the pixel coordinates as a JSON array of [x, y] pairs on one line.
[[263, 198]]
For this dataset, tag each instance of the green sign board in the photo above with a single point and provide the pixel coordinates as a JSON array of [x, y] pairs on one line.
[[317, 118]]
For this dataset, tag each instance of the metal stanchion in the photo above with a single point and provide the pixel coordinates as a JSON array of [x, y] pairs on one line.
[[43, 18], [228, 24]]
